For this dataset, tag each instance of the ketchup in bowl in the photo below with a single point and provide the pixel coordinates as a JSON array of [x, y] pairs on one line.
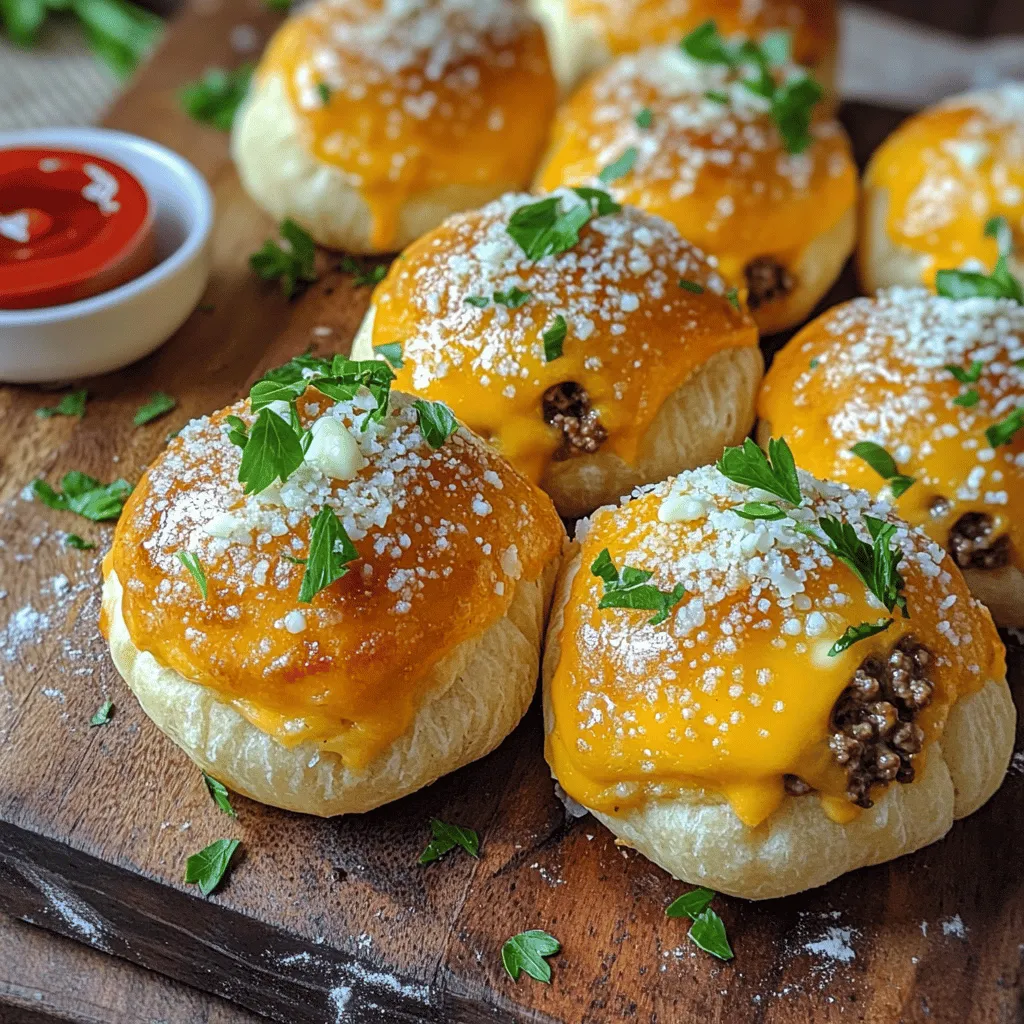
[[71, 225]]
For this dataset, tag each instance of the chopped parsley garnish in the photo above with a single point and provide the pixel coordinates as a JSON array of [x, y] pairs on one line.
[[194, 566], [774, 472], [273, 452], [363, 275], [526, 952], [392, 352], [855, 633], [733, 297], [716, 96], [103, 713], [691, 286], [71, 404], [969, 376], [792, 100], [436, 422], [759, 510], [544, 229], [1004, 431], [554, 338], [691, 904], [513, 298], [219, 792], [967, 399], [72, 540], [446, 838], [707, 931], [158, 404], [238, 433], [330, 551], [619, 168], [215, 98], [480, 301], [208, 867], [814, 363], [85, 496], [324, 92], [1000, 284], [875, 564], [631, 589], [293, 559], [293, 263], [884, 465], [644, 118]]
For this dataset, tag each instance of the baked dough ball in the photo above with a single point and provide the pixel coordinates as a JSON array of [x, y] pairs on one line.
[[687, 140], [420, 658], [370, 121], [932, 186], [888, 371], [583, 35], [619, 359], [727, 742]]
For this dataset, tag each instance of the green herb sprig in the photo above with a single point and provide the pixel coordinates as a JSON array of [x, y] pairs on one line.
[[293, 264], [631, 588], [219, 793], [191, 562], [554, 338], [208, 867], [1000, 284], [85, 496], [215, 98], [103, 714], [446, 838], [544, 229], [526, 952], [71, 404], [708, 930], [884, 465], [330, 552], [158, 404]]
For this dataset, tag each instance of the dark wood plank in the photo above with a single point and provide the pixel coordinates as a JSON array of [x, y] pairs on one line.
[[333, 920]]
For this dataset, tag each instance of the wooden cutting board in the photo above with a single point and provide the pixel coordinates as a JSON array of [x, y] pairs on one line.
[[334, 921]]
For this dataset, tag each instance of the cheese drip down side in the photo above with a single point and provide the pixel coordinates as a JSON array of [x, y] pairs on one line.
[[875, 370], [627, 25], [442, 537], [735, 690], [409, 99], [717, 170], [947, 171], [633, 334]]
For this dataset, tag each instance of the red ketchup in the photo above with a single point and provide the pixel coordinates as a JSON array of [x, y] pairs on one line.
[[71, 225]]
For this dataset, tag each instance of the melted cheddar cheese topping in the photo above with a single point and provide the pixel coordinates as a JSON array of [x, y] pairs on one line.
[[629, 25], [633, 334], [442, 538], [875, 370], [735, 690], [411, 99], [947, 171], [718, 171]]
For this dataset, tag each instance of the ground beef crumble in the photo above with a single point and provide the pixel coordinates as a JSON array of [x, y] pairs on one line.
[[875, 737], [972, 545], [767, 280], [567, 407]]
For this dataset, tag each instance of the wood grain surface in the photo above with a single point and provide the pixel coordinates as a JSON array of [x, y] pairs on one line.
[[333, 921]]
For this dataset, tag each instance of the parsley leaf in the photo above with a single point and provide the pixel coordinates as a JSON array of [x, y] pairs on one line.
[[220, 795], [215, 98], [102, 716], [884, 465], [446, 838], [644, 118], [708, 933], [619, 168], [855, 633], [194, 566], [554, 338], [237, 431], [691, 286], [436, 422], [513, 298], [292, 263], [526, 952], [1000, 284], [362, 275], [330, 551], [392, 352], [706, 45], [1004, 431], [733, 298], [71, 404], [273, 452], [969, 376], [208, 867], [691, 904], [631, 589], [759, 510], [85, 496], [774, 472], [322, 88], [72, 540], [479, 301], [544, 229], [968, 399], [875, 563], [158, 404]]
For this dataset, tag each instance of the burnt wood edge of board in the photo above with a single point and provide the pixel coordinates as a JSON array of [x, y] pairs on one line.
[[46, 883]]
